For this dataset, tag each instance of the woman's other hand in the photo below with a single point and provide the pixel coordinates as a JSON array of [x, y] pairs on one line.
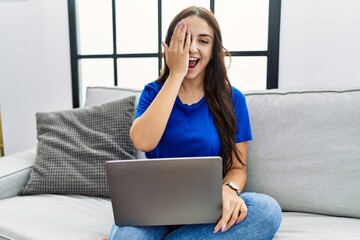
[[234, 210]]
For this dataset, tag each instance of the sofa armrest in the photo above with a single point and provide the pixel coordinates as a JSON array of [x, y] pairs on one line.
[[14, 172]]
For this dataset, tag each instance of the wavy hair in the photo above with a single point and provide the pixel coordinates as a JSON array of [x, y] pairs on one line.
[[217, 86]]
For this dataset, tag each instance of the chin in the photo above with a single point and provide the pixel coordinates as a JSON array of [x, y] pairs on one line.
[[191, 76], [194, 74]]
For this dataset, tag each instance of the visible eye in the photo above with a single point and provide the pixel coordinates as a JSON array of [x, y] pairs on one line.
[[204, 41]]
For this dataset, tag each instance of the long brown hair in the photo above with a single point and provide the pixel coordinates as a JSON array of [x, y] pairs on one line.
[[217, 86]]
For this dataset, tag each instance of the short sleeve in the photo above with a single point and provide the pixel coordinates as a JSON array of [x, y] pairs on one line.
[[147, 96], [242, 117]]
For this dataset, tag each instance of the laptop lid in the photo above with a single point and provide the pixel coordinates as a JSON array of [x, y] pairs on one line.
[[165, 191]]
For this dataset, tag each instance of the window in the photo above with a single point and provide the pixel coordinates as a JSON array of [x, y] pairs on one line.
[[118, 42]]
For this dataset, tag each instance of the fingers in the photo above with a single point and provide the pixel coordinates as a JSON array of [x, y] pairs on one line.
[[165, 46], [218, 226], [177, 52], [221, 225], [187, 41], [233, 213], [239, 214], [243, 213], [179, 37], [234, 216], [230, 216]]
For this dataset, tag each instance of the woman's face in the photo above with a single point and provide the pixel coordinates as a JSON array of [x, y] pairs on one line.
[[201, 46]]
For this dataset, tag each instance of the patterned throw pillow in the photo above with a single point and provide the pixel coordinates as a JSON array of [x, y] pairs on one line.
[[74, 145]]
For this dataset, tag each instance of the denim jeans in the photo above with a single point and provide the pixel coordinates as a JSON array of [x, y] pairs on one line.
[[262, 222]]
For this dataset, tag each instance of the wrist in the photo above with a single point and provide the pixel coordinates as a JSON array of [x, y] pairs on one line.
[[177, 76], [229, 190], [233, 187]]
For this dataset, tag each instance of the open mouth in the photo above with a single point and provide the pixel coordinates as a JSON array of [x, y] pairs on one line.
[[193, 62]]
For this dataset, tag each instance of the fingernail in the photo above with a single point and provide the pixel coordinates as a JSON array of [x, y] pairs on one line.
[[223, 228], [237, 222], [179, 23]]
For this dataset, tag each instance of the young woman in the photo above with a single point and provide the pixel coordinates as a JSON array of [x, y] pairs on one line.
[[192, 110]]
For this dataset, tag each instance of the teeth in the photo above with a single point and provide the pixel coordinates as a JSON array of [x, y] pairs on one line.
[[193, 59]]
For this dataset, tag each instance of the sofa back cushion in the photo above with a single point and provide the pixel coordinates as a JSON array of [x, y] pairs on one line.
[[306, 149], [73, 146], [96, 96]]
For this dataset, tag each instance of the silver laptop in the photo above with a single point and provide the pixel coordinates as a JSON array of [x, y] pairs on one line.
[[165, 191]]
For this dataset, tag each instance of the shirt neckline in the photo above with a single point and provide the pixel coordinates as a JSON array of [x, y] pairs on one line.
[[192, 105]]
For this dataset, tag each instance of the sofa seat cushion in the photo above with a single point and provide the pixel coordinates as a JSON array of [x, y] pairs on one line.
[[79, 217], [296, 226], [55, 217]]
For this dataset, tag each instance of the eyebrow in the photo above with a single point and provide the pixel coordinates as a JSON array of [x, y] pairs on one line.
[[204, 35]]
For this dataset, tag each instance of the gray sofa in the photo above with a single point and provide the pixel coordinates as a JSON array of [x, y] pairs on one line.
[[305, 153]]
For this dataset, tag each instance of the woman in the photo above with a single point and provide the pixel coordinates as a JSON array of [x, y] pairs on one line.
[[192, 110]]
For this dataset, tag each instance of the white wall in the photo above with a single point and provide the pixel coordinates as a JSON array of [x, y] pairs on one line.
[[319, 44], [34, 67], [319, 48]]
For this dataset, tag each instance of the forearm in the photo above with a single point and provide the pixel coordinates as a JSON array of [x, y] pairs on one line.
[[237, 173], [237, 176], [148, 129]]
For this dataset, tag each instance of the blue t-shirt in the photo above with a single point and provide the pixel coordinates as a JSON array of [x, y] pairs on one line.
[[191, 131]]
